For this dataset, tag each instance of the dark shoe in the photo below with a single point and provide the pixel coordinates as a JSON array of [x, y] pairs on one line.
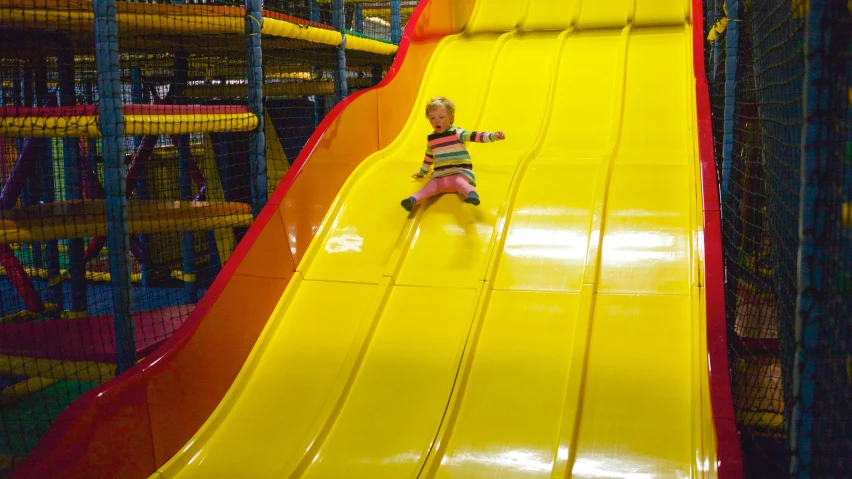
[[472, 198], [409, 203]]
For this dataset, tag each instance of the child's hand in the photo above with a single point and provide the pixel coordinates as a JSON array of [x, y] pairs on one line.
[[499, 135], [417, 175]]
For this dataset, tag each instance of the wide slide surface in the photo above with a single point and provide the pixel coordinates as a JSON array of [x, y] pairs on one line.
[[557, 330]]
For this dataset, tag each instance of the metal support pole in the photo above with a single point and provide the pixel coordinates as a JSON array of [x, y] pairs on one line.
[[112, 131], [47, 186], [820, 368], [257, 139], [396, 21], [359, 18], [73, 184], [732, 41], [338, 20], [33, 188], [184, 159], [315, 11]]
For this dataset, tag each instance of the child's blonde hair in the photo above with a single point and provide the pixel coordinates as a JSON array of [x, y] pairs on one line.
[[438, 102]]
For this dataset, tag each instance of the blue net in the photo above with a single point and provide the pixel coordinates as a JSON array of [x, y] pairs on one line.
[[787, 286]]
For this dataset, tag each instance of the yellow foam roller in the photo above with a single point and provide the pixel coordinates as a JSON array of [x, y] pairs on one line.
[[87, 126]]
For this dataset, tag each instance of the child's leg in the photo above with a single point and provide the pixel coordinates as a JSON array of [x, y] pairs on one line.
[[444, 184], [461, 185], [433, 187], [465, 189]]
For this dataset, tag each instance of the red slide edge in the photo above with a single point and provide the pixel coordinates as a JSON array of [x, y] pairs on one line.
[[728, 453]]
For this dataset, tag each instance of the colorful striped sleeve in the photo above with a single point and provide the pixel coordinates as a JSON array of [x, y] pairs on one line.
[[428, 159], [475, 136]]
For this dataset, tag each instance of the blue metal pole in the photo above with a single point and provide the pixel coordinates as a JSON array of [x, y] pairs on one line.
[[33, 187], [396, 21], [359, 18], [112, 131], [819, 217], [184, 160], [338, 20], [315, 11], [732, 41], [73, 184], [43, 97], [257, 139]]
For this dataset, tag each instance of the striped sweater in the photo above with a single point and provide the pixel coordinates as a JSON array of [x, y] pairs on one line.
[[447, 155]]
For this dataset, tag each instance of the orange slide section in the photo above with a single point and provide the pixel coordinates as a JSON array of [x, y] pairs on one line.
[[132, 425]]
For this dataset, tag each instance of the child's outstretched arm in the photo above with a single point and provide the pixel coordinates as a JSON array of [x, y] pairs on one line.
[[427, 164], [479, 136]]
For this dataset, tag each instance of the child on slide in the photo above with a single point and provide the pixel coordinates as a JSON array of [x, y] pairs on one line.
[[447, 156]]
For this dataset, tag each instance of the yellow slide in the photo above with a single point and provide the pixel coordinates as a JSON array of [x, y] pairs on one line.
[[556, 330]]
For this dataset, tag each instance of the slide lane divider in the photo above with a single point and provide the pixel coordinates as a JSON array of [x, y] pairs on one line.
[[352, 366], [385, 284], [569, 435], [456, 399]]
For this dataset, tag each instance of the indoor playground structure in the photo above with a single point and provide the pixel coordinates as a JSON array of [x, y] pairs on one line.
[[207, 272], [109, 236]]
